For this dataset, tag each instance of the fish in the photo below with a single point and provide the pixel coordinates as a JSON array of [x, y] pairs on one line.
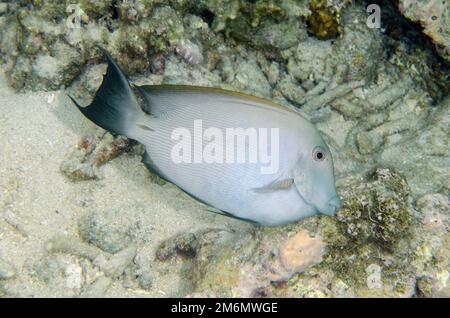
[[185, 132]]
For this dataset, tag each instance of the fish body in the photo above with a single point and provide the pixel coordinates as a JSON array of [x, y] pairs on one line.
[[299, 185]]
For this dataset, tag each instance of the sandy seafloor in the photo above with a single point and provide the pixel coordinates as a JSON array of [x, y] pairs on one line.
[[37, 202]]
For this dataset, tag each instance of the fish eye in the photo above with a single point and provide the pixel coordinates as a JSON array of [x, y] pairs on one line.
[[318, 154]]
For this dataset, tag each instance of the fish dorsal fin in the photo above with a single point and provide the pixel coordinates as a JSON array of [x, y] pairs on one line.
[[279, 184], [165, 98]]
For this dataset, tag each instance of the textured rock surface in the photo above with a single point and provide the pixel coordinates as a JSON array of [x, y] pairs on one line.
[[435, 19], [246, 265]]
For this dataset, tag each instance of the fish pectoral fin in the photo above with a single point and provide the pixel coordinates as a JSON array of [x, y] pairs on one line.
[[144, 127], [282, 184]]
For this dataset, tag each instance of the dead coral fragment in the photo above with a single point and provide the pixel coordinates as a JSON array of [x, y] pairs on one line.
[[91, 153], [185, 245]]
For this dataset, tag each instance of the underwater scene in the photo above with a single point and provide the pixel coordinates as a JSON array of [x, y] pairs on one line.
[[224, 148]]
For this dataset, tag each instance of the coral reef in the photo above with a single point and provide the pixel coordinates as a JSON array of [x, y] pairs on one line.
[[248, 264], [435, 19], [379, 97], [373, 248], [364, 241]]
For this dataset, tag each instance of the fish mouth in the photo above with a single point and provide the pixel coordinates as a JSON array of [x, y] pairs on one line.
[[331, 206]]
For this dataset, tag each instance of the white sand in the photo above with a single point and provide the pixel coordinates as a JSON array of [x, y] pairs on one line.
[[38, 131]]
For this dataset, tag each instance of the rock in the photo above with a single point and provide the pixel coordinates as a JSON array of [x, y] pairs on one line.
[[190, 52], [7, 271], [360, 49], [74, 278], [71, 245], [92, 152], [434, 285], [250, 78], [291, 90], [369, 141], [145, 280], [248, 264], [434, 18], [336, 128], [374, 276], [263, 24], [98, 288], [185, 245], [112, 230], [61, 272], [114, 267], [3, 8], [310, 60], [367, 245], [434, 208], [426, 167]]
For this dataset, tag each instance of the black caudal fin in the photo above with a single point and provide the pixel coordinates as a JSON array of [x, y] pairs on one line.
[[114, 107]]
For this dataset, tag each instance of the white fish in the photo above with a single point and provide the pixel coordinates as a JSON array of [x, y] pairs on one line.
[[303, 184]]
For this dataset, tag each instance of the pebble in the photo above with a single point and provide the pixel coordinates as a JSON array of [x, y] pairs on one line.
[[98, 288], [7, 271]]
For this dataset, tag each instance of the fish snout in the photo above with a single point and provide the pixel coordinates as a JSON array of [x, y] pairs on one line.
[[332, 206]]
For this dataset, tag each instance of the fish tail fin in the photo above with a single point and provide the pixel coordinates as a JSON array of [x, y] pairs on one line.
[[115, 107]]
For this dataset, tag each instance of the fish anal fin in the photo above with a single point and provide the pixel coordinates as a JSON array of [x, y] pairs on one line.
[[227, 214]]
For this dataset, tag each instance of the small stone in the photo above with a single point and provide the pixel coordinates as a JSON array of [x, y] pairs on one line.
[[432, 207], [71, 245], [119, 261], [369, 141], [98, 288], [145, 281], [73, 276], [112, 230], [425, 287], [3, 8], [184, 245], [190, 52], [7, 271], [374, 276]]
